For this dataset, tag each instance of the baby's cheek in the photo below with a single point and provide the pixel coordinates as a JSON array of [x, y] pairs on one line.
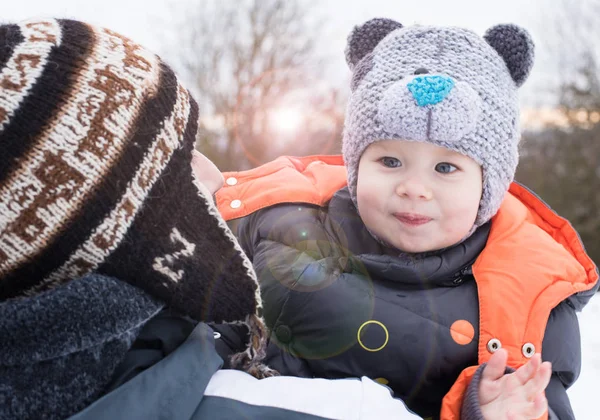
[[462, 218], [367, 200], [368, 209]]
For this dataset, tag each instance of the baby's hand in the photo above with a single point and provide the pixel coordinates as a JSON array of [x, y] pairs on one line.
[[518, 395]]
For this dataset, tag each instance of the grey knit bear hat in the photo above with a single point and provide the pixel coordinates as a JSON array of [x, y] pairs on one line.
[[442, 85]]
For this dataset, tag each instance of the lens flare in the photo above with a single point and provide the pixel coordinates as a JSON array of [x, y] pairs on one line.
[[286, 120]]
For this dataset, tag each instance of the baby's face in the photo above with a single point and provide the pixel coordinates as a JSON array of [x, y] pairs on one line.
[[416, 196]]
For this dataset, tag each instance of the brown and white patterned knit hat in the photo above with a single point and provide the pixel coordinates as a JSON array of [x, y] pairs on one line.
[[96, 138]]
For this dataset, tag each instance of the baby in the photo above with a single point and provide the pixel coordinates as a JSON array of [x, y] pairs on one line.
[[415, 259]]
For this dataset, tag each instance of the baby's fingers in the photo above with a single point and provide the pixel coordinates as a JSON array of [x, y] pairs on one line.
[[540, 381], [528, 370], [539, 407], [495, 366], [491, 384]]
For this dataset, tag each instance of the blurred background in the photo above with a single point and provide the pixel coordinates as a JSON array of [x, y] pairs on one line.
[[271, 79]]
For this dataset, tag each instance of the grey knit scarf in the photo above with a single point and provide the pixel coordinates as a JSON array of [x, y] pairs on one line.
[[60, 348]]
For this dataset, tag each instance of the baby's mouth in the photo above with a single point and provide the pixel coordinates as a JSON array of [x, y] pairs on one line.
[[413, 219]]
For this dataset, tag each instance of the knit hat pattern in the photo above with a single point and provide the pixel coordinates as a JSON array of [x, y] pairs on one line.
[[97, 136], [442, 85]]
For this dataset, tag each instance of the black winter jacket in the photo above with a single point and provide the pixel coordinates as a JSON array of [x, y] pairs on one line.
[[340, 304]]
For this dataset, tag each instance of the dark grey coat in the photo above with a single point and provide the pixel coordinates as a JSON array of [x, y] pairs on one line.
[[97, 348], [325, 280]]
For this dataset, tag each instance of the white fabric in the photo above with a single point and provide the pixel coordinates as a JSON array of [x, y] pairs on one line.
[[344, 399]]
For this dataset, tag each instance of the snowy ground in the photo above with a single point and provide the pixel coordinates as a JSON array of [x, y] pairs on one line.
[[585, 394]]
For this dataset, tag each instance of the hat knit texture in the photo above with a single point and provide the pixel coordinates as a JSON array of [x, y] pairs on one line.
[[97, 136], [442, 85]]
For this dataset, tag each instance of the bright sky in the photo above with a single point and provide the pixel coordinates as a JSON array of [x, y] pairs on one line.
[[138, 18], [151, 22]]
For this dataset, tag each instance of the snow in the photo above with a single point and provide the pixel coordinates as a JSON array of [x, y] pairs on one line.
[[584, 393]]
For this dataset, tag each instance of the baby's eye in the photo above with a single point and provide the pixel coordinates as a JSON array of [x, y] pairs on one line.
[[390, 162], [445, 168]]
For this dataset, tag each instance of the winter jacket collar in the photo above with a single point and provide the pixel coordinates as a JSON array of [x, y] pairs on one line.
[[446, 267]]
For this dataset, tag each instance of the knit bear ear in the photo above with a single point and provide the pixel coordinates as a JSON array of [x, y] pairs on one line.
[[515, 46], [364, 38]]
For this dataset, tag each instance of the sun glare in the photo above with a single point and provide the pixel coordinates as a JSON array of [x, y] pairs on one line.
[[286, 120]]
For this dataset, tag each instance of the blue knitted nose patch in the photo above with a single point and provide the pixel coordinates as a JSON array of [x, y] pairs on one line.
[[430, 90]]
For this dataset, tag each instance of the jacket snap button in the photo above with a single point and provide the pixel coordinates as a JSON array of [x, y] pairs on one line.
[[284, 334], [528, 350], [236, 204], [231, 181], [494, 345]]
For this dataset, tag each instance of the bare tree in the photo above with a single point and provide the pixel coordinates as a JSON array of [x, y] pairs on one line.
[[562, 163], [563, 167], [247, 60], [572, 30]]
